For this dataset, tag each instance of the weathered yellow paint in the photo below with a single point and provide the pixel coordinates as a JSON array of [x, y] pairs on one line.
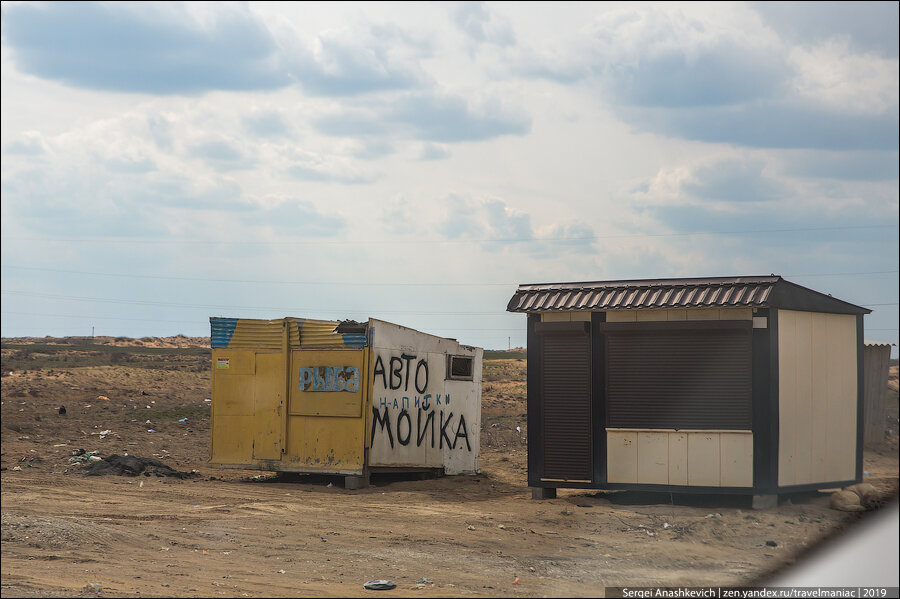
[[251, 333], [318, 333], [233, 362], [324, 403], [255, 425], [713, 458], [231, 440], [325, 443], [268, 405]]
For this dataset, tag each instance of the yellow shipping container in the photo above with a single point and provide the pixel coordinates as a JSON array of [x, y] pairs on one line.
[[312, 396]]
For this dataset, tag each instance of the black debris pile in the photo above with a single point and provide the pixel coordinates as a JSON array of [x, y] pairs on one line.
[[129, 465]]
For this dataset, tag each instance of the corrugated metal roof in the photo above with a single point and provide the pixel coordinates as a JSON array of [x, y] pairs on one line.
[[254, 333], [651, 294], [645, 294]]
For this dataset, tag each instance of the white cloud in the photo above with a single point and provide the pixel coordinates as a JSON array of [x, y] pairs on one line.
[[483, 26], [833, 75], [493, 143]]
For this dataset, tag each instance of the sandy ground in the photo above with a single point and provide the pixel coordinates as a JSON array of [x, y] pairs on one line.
[[234, 533]]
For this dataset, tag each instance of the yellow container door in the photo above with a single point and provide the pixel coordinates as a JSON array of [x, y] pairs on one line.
[[268, 405], [326, 417], [247, 404]]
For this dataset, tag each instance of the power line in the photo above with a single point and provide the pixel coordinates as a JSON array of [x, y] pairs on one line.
[[99, 317], [203, 321], [358, 241], [128, 301], [347, 283], [254, 308], [256, 281]]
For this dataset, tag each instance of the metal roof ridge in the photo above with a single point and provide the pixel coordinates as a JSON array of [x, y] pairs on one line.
[[672, 282]]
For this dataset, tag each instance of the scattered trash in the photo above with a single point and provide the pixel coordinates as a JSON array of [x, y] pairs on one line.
[[263, 477], [330, 485], [103, 434], [81, 457], [516, 581], [666, 525], [716, 515], [141, 485], [148, 422], [281, 571], [424, 580], [501, 527], [17, 468], [867, 474], [132, 466], [183, 420], [584, 505], [103, 397], [78, 452], [206, 552], [150, 430], [470, 527], [518, 430], [380, 585], [62, 410], [771, 544]]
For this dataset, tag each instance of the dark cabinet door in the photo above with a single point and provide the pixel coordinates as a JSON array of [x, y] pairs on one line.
[[566, 403]]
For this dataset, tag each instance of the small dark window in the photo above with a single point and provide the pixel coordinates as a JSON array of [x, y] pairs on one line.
[[459, 368]]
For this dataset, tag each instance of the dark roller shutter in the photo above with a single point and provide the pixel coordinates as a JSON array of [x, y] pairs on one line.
[[684, 379], [566, 405]]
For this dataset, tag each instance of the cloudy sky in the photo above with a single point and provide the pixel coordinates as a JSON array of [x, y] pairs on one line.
[[162, 163]]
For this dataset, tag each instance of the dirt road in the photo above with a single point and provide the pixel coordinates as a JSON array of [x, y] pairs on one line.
[[222, 533]]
